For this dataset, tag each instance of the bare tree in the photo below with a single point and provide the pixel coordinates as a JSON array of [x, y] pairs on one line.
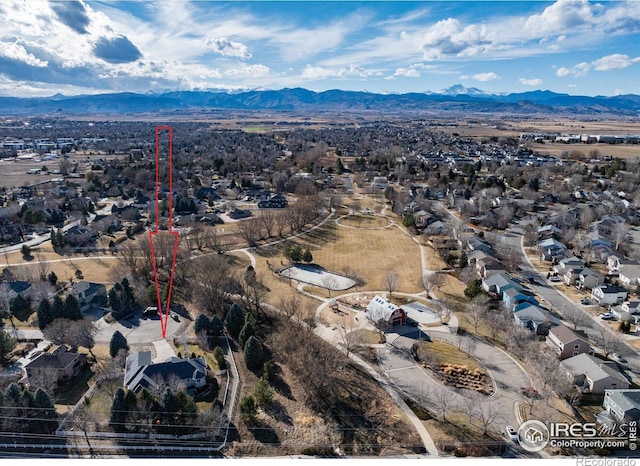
[[443, 399], [350, 338], [469, 403], [608, 341], [577, 317], [290, 305], [390, 281], [330, 283], [476, 310], [250, 231], [267, 221], [488, 414], [619, 231], [434, 280], [43, 268]]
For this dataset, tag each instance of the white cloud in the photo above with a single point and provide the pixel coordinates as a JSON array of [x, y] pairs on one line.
[[314, 73], [228, 48], [450, 38], [563, 15], [484, 77], [252, 71], [617, 61], [16, 51], [413, 71], [530, 82]]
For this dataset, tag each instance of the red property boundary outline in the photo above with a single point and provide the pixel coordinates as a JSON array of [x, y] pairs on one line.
[[164, 317]]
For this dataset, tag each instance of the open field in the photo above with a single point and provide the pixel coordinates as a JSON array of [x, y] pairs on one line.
[[614, 150]]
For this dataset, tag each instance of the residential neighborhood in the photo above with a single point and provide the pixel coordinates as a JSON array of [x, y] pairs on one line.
[[414, 265]]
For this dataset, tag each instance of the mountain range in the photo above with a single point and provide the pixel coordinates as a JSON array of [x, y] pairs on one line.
[[454, 100]]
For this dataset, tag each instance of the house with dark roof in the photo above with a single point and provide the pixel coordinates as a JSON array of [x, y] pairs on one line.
[[141, 372], [60, 365], [593, 375], [567, 343], [607, 295], [17, 287], [532, 318]]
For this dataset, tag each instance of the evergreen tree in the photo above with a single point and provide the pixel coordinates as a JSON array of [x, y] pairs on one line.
[[268, 371], [215, 326], [43, 402], [118, 342], [307, 256], [7, 345], [248, 410], [53, 278], [13, 393], [234, 320], [118, 411], [201, 323], [72, 309], [219, 355], [253, 354], [45, 316], [57, 308], [45, 410], [247, 331], [263, 392]]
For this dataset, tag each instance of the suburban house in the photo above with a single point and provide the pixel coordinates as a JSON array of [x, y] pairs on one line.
[[547, 231], [632, 307], [513, 296], [477, 244], [379, 309], [14, 288], [532, 318], [488, 266], [568, 263], [608, 295], [78, 235], [588, 279], [60, 365], [86, 292], [499, 283], [622, 405], [593, 375], [567, 343], [629, 275], [140, 372], [615, 263], [551, 250]]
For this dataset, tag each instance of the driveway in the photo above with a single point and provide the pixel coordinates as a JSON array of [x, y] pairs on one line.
[[164, 351], [136, 330]]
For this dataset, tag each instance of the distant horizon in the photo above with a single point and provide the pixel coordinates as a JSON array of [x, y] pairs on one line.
[[87, 47], [226, 91]]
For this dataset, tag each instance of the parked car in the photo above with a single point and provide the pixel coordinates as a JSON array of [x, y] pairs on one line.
[[616, 357], [511, 433], [607, 316], [555, 278], [585, 301]]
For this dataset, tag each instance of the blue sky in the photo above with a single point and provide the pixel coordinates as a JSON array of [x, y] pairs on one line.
[[76, 47]]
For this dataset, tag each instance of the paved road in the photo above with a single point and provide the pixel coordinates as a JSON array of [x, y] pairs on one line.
[[559, 302]]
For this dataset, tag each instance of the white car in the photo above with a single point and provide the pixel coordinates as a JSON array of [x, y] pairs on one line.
[[607, 316], [511, 433], [616, 357]]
